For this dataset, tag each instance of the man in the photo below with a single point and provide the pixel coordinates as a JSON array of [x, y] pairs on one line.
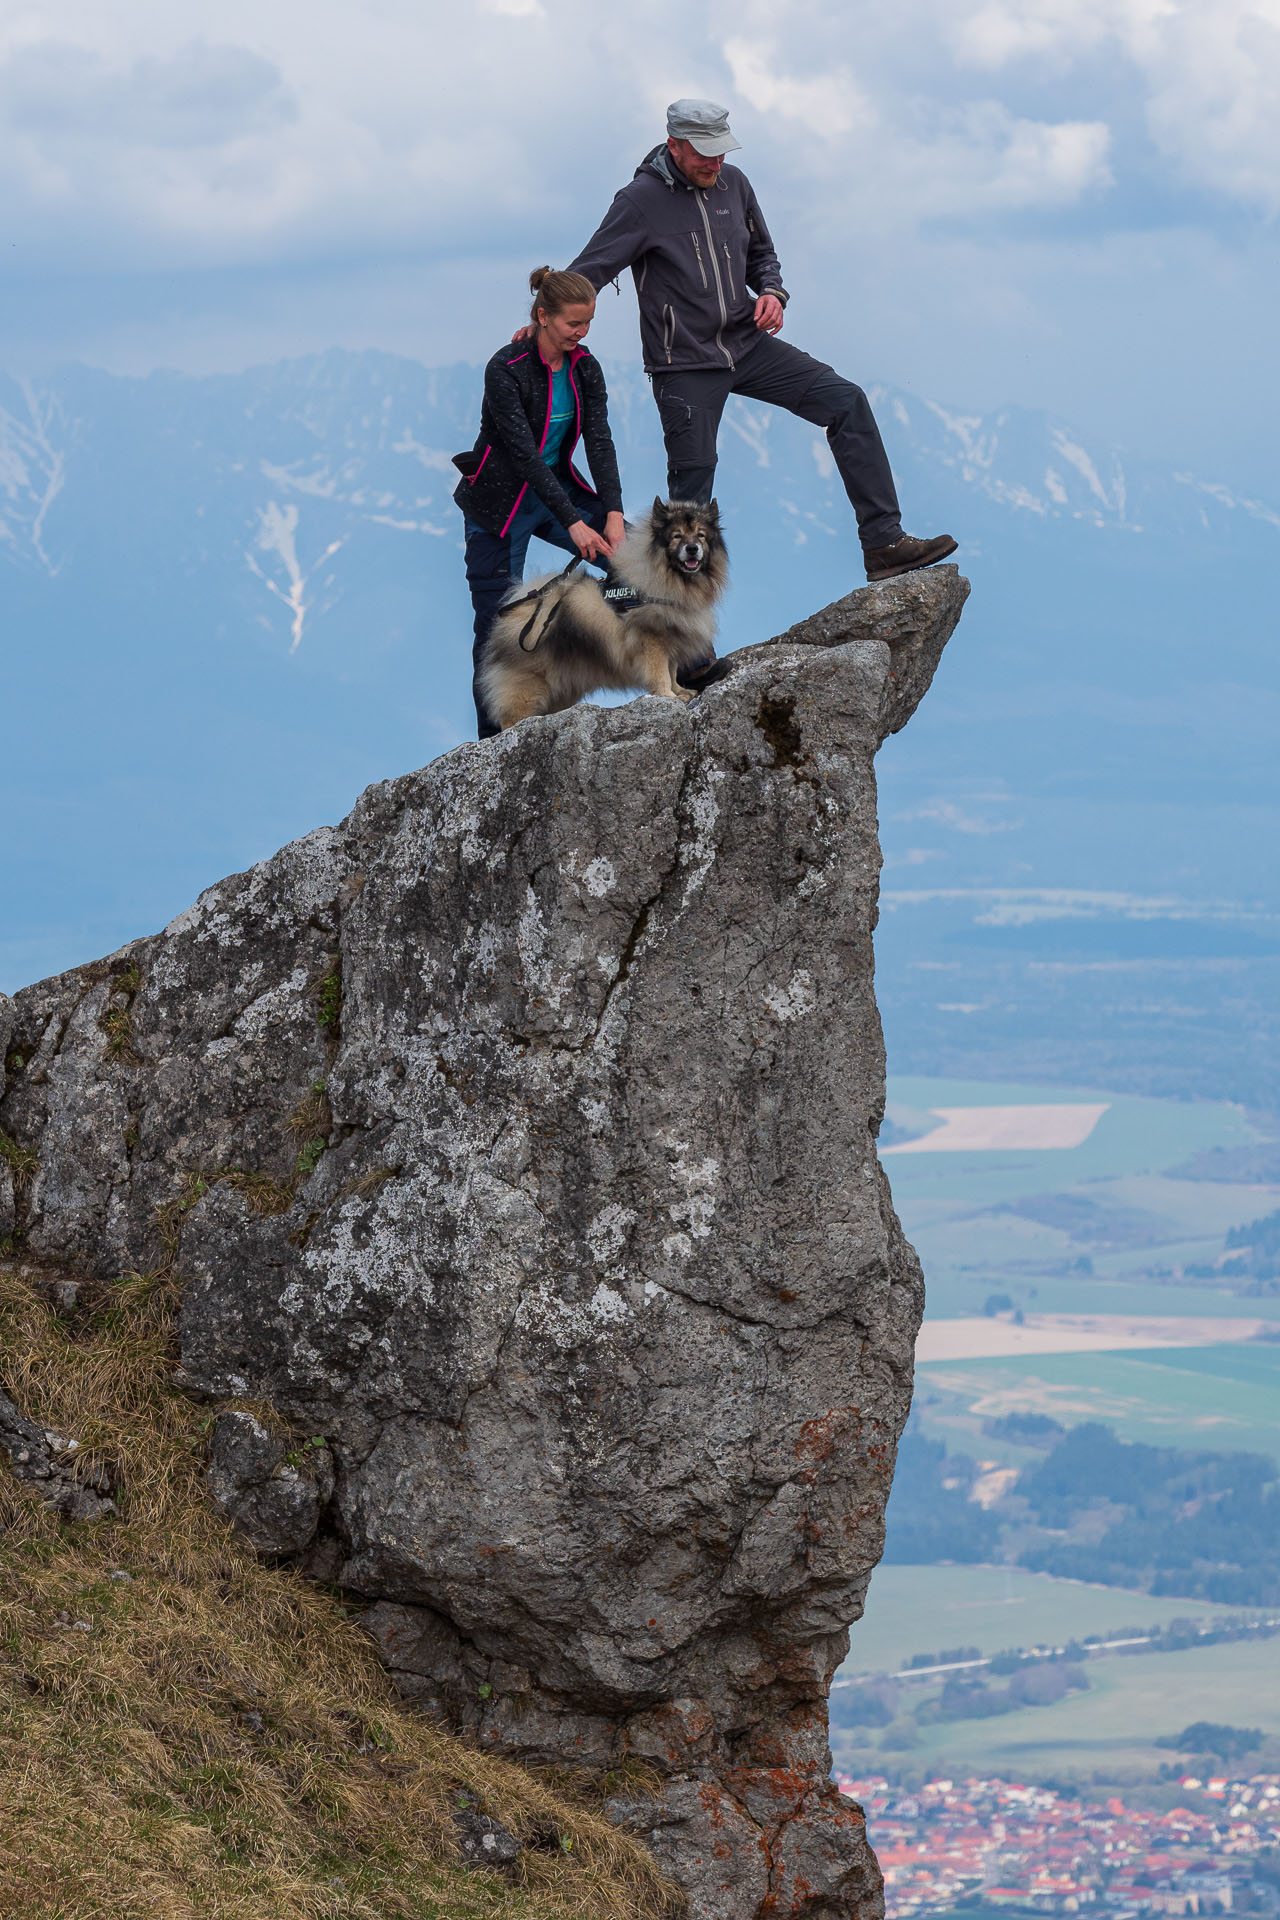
[[711, 306]]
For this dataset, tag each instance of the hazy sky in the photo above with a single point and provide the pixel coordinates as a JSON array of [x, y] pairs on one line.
[[1066, 203]]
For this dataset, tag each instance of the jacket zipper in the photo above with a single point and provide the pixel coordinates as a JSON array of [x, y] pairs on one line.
[[715, 268], [577, 423], [697, 247], [546, 428], [668, 331], [728, 266]]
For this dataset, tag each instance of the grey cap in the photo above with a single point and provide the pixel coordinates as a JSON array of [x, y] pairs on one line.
[[703, 124]]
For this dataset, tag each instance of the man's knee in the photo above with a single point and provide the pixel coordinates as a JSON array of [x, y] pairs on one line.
[[832, 399]]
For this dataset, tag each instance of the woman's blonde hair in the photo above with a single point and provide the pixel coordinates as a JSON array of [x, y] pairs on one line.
[[553, 290]]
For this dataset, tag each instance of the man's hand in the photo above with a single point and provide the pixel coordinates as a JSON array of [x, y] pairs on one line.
[[526, 332], [590, 544], [615, 530], [769, 313]]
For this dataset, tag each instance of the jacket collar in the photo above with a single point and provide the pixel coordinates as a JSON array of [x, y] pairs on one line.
[[661, 163], [572, 357]]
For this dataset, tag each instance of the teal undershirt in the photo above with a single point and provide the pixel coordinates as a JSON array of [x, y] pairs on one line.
[[563, 410]]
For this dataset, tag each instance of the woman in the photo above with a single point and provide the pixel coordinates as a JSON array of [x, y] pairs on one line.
[[542, 394]]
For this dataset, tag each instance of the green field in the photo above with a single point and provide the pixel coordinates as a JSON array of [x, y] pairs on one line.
[[1220, 1397], [1105, 1227], [1134, 1136], [923, 1609], [1110, 1730], [1023, 1222]]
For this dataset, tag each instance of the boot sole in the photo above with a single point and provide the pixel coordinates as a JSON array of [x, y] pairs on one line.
[[914, 566]]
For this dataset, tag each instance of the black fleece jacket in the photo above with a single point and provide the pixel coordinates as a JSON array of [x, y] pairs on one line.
[[514, 420], [699, 256]]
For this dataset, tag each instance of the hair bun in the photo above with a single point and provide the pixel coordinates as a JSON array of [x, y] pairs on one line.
[[555, 288]]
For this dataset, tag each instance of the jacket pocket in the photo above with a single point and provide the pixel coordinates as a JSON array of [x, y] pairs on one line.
[[697, 248], [668, 331], [470, 463], [728, 268]]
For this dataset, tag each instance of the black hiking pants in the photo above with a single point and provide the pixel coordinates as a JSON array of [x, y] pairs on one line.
[[691, 403]]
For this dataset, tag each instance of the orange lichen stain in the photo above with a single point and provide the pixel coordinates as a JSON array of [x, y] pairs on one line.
[[787, 1787], [713, 1800], [817, 1439]]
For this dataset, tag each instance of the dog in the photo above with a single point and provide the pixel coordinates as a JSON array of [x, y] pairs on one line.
[[557, 639]]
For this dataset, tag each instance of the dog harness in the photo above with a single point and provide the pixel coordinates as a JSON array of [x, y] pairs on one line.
[[615, 593]]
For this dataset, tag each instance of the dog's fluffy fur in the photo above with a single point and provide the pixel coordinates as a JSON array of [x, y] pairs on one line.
[[579, 644]]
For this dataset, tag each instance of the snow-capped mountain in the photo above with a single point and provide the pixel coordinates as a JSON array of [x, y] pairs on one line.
[[285, 487], [229, 602]]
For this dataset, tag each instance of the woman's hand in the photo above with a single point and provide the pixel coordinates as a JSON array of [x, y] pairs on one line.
[[615, 530], [590, 544]]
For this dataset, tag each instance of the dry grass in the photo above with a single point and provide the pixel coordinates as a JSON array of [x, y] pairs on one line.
[[117, 1020], [313, 1114], [212, 1737], [263, 1193], [370, 1182], [20, 1161]]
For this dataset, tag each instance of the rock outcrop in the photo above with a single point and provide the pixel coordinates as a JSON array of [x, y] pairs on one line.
[[515, 1142]]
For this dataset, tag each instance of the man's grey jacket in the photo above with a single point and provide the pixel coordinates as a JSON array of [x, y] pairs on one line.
[[700, 257]]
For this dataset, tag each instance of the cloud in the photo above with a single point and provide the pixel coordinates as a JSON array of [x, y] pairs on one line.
[[304, 130], [1004, 199], [1206, 74], [57, 94], [927, 158], [828, 104], [948, 814]]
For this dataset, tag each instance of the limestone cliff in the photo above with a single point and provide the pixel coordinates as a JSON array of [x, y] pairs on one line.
[[518, 1136]]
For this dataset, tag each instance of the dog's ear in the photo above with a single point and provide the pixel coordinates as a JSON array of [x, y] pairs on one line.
[[713, 512], [660, 514]]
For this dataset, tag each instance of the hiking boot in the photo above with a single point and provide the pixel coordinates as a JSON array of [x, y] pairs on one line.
[[906, 554]]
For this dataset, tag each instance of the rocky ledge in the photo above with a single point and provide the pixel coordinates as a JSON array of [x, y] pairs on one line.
[[515, 1142]]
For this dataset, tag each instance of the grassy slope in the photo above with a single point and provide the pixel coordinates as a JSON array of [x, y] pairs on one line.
[[131, 1783]]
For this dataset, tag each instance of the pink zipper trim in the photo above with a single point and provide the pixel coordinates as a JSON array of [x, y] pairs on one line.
[[483, 457], [511, 516], [546, 425], [574, 358], [546, 428]]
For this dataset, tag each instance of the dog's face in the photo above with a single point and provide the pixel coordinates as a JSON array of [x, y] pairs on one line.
[[687, 533]]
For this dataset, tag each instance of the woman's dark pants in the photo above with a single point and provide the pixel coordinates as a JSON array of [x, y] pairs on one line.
[[495, 560]]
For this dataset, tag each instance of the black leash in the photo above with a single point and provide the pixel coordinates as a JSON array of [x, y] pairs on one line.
[[613, 592], [537, 597]]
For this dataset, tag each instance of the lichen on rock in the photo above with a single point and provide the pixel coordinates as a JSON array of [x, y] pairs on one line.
[[591, 1281]]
